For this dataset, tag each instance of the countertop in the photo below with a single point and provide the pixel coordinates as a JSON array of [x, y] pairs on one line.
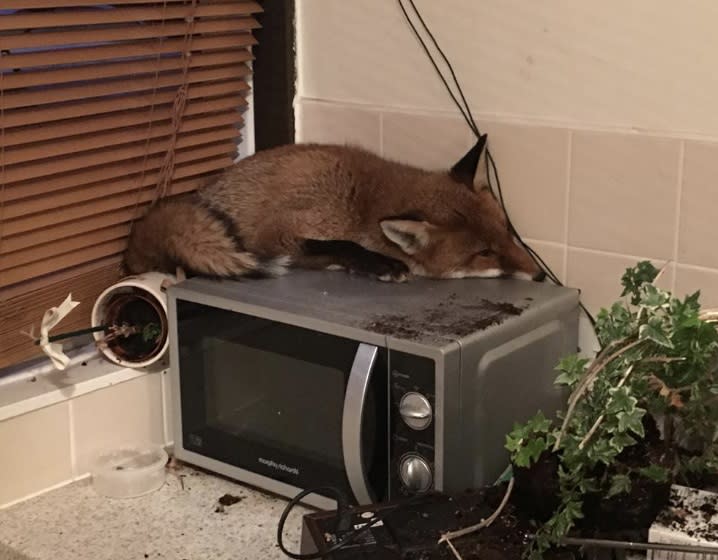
[[172, 523]]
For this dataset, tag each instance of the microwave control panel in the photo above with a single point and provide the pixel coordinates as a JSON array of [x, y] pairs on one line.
[[412, 424]]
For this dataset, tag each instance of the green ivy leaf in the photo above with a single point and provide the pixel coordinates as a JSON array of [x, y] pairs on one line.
[[586, 485], [650, 296], [644, 272], [513, 443], [620, 441], [601, 452], [650, 331], [539, 423], [572, 368], [614, 324], [621, 401], [530, 452], [655, 473], [631, 421], [620, 484]]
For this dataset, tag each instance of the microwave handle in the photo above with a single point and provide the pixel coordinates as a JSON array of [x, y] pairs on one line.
[[355, 397]]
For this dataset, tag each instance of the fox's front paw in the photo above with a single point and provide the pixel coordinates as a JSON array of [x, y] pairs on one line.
[[394, 277], [389, 270]]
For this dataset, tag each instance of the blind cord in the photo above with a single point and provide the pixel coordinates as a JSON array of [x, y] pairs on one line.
[[145, 157], [178, 109], [491, 168]]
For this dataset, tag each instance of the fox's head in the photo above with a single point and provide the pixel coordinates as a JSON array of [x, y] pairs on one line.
[[462, 231]]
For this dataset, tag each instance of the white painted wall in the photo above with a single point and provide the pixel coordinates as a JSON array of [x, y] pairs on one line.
[[647, 65]]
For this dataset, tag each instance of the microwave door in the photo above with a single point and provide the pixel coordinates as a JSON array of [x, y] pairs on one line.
[[357, 392]]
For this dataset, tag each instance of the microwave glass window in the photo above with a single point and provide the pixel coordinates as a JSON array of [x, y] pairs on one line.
[[268, 397], [273, 399]]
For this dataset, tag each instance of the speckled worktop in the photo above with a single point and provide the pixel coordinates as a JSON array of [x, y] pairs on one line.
[[172, 523]]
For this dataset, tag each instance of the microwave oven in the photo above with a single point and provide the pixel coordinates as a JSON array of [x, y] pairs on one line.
[[380, 390]]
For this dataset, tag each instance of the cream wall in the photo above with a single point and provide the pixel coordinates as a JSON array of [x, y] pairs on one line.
[[602, 118], [53, 445]]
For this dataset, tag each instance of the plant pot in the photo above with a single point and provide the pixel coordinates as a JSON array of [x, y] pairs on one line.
[[136, 301]]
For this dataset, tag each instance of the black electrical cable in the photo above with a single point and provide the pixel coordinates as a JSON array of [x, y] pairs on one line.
[[342, 517], [465, 111]]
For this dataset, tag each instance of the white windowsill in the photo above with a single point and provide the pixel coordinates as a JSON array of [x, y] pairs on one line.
[[42, 385]]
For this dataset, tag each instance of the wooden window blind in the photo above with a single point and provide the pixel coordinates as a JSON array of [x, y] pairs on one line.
[[104, 107]]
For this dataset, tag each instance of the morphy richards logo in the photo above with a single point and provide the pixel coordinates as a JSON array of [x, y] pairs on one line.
[[279, 466]]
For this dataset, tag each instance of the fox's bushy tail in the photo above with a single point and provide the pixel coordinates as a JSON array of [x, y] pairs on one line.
[[186, 234]]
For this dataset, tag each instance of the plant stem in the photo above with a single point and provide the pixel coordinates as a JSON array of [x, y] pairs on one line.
[[72, 334], [660, 273], [484, 522], [453, 549], [598, 421], [591, 374]]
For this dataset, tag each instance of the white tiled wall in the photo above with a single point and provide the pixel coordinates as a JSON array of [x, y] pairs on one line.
[[591, 203], [53, 445]]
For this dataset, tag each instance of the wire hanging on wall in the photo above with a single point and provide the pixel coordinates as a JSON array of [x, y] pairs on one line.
[[492, 173]]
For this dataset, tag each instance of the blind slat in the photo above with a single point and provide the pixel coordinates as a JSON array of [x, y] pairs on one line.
[[56, 112], [121, 119], [103, 156], [97, 206], [28, 208], [124, 32], [60, 246], [17, 99], [59, 262], [73, 258], [27, 4], [154, 11], [122, 50], [92, 72], [84, 143], [111, 171], [74, 227]]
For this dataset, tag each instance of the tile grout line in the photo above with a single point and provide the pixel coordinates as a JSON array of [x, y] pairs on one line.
[[567, 205], [522, 120], [677, 220]]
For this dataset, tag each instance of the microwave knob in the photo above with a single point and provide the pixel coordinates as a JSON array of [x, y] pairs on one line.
[[415, 410], [415, 473]]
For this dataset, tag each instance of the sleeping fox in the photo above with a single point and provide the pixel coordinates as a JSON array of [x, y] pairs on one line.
[[336, 207]]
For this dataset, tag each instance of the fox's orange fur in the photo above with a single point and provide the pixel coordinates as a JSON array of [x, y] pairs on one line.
[[268, 205]]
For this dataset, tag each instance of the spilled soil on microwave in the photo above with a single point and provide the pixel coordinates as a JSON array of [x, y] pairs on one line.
[[449, 318]]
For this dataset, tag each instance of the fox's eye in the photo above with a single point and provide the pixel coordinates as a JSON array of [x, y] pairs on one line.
[[485, 253]]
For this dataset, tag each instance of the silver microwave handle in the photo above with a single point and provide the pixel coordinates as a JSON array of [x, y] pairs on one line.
[[354, 399]]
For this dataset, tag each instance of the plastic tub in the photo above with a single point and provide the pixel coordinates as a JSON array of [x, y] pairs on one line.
[[129, 471]]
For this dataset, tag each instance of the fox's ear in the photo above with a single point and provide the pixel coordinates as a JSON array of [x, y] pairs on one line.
[[465, 170], [410, 235]]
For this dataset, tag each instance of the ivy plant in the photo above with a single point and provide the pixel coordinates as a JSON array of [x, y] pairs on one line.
[[657, 360]]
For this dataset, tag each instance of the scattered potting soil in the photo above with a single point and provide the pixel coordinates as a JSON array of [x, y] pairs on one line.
[[225, 501], [692, 515], [230, 500], [447, 318], [413, 532]]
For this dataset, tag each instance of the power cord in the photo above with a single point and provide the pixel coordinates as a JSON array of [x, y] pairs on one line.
[[344, 523], [465, 110]]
